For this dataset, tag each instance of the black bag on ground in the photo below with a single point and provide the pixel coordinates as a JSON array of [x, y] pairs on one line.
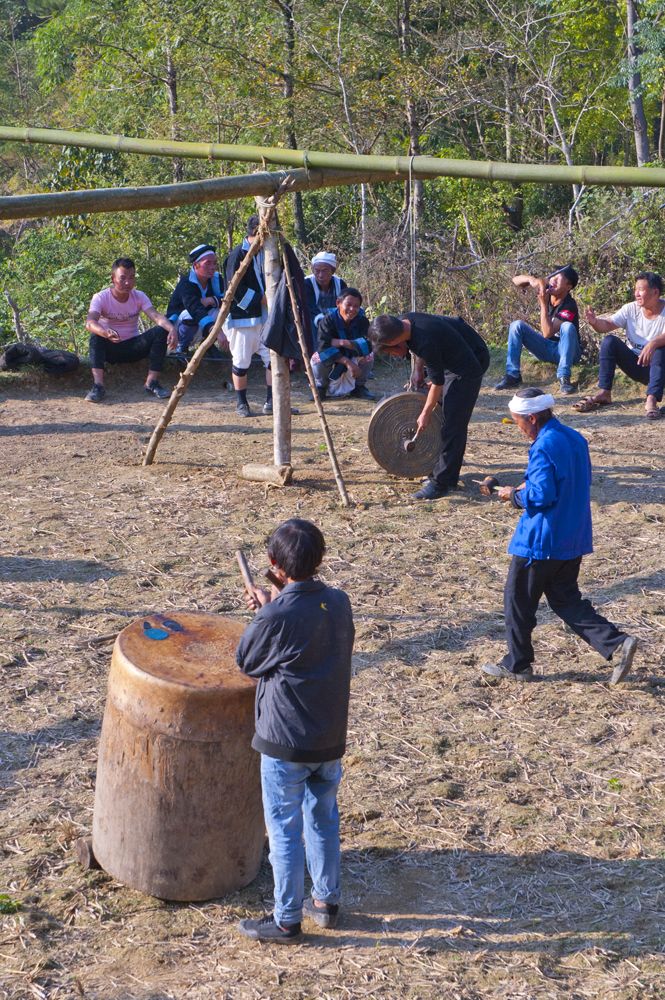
[[55, 362]]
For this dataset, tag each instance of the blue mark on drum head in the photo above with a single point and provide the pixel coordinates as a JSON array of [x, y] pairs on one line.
[[151, 632], [172, 625]]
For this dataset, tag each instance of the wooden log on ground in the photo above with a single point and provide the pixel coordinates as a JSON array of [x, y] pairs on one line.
[[277, 475]]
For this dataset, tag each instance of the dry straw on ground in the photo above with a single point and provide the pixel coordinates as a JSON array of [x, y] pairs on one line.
[[498, 843]]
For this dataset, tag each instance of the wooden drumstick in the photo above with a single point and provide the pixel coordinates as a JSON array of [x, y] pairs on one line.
[[411, 443], [245, 571]]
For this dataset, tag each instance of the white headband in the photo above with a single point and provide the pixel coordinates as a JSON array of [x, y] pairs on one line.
[[524, 406], [208, 253], [323, 257]]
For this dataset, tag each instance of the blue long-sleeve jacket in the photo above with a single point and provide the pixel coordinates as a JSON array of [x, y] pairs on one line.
[[556, 523]]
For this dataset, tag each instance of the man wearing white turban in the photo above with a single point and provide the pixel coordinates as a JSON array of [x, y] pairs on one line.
[[322, 286], [552, 535]]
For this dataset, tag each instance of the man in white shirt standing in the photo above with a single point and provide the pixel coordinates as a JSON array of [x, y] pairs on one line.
[[642, 355], [113, 325]]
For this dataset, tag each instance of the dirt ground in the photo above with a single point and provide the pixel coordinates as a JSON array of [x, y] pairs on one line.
[[497, 842]]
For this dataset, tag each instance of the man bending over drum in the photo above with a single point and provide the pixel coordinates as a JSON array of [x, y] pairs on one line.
[[457, 358]]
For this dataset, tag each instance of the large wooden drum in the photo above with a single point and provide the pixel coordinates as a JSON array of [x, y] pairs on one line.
[[178, 801]]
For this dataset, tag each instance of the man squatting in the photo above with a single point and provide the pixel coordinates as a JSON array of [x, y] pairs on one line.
[[550, 538], [456, 357], [299, 647]]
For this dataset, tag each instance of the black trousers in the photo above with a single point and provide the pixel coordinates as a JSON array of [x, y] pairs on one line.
[[151, 344], [614, 353], [459, 398], [557, 580]]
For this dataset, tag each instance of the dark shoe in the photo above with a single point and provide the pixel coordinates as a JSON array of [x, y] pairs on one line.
[[180, 358], [96, 394], [214, 354], [509, 382], [654, 414], [325, 916], [243, 410], [362, 392], [498, 670], [266, 929], [155, 389], [430, 491], [628, 649], [267, 407], [566, 386], [322, 391]]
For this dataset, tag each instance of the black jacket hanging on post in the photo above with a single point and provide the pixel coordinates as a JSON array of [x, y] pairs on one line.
[[279, 333]]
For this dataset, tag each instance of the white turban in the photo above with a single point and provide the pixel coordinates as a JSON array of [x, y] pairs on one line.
[[323, 257], [524, 406]]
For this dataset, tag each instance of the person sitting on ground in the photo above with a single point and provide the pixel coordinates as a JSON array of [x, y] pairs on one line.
[[456, 357], [344, 347], [322, 286], [113, 325], [299, 648], [244, 326], [548, 543], [559, 339], [195, 300], [642, 358]]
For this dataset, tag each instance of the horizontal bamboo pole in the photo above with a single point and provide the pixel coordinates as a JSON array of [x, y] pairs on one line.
[[266, 183], [421, 166]]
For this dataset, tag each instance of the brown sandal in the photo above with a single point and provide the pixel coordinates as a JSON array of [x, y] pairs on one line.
[[653, 414], [590, 405]]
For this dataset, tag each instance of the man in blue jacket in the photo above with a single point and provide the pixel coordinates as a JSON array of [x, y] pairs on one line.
[[552, 535]]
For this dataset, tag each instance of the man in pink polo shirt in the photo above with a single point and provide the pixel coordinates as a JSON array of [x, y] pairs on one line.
[[113, 325]]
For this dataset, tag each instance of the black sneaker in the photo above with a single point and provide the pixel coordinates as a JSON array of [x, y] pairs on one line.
[[243, 410], [431, 491], [498, 670], [96, 394], [181, 358], [509, 382], [267, 407], [566, 386], [155, 389], [628, 648], [362, 392], [266, 929], [214, 354], [324, 916]]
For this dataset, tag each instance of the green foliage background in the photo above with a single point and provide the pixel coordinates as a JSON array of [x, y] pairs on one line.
[[528, 80]]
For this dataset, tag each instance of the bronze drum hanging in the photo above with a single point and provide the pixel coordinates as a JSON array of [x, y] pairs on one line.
[[392, 425]]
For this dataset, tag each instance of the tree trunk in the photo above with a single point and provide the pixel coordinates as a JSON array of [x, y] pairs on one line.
[[417, 190], [171, 81], [286, 7], [640, 129]]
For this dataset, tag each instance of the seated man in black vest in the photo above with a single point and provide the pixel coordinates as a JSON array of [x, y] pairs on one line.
[[195, 301], [322, 286]]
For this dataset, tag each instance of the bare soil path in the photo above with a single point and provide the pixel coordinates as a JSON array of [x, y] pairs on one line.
[[498, 843]]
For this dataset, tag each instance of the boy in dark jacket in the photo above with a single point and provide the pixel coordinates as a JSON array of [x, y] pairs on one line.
[[299, 647]]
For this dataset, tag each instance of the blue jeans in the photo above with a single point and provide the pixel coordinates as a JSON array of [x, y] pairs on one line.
[[301, 799], [564, 352]]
